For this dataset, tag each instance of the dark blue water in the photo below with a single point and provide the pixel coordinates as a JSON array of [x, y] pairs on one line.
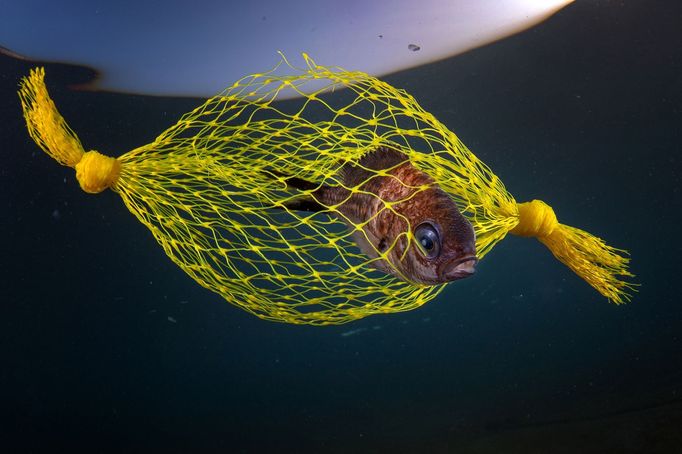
[[107, 345]]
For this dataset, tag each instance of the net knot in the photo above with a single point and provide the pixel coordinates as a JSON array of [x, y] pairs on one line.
[[96, 172], [536, 219]]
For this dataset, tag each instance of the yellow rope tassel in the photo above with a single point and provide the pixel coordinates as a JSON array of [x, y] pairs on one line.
[[588, 256], [212, 190], [94, 171]]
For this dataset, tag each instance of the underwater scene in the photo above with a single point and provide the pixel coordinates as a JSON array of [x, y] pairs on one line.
[[338, 227]]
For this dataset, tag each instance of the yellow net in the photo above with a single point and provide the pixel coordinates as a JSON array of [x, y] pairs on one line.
[[218, 191]]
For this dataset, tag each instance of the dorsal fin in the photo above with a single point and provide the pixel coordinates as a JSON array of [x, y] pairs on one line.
[[382, 157], [378, 159]]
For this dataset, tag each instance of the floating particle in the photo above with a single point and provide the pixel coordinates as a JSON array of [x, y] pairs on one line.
[[353, 332], [413, 47]]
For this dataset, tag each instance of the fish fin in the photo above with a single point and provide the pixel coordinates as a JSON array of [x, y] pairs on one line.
[[377, 159], [383, 157]]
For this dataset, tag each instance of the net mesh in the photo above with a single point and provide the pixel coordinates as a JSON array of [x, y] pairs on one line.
[[215, 192], [212, 189]]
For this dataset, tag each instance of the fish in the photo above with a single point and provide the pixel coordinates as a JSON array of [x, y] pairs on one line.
[[386, 195]]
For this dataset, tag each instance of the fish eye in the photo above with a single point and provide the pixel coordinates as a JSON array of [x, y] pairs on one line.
[[428, 240]]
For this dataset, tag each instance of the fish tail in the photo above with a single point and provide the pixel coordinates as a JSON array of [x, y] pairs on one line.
[[293, 182], [304, 203], [301, 184]]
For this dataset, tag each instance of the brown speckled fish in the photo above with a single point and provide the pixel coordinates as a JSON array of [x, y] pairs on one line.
[[444, 245]]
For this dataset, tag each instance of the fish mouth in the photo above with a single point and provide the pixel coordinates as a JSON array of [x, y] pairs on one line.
[[460, 268]]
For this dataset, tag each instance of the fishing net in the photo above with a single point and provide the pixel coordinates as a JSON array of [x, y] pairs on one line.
[[213, 190]]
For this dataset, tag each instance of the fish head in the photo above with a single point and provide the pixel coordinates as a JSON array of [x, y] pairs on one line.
[[443, 242]]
